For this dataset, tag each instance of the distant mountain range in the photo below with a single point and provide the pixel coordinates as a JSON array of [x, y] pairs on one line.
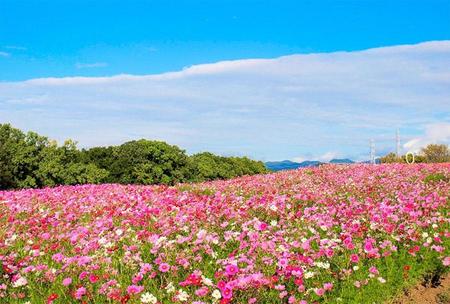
[[289, 165]]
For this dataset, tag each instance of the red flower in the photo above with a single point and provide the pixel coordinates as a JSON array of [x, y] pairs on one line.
[[51, 298], [125, 299]]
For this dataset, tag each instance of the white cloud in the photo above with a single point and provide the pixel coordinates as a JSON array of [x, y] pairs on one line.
[[268, 108], [90, 65], [438, 133], [4, 54]]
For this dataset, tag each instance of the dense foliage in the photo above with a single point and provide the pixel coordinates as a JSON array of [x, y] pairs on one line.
[[330, 234], [433, 153], [30, 160]]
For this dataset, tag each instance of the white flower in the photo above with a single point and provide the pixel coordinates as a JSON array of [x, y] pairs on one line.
[[182, 295], [119, 232], [206, 281], [309, 274], [148, 298], [382, 281], [170, 288], [282, 248], [216, 294], [355, 268], [160, 240], [273, 208], [324, 265], [425, 235], [273, 223], [20, 282]]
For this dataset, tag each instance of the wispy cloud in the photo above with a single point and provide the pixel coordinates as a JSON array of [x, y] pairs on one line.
[[268, 108], [16, 47], [437, 133], [90, 65], [4, 54]]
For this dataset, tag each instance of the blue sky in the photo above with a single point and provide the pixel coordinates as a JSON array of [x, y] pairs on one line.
[[54, 39], [144, 37]]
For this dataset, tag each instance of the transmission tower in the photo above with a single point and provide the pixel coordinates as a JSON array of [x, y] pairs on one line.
[[372, 151]]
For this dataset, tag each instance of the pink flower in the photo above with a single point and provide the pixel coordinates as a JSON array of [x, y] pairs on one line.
[[231, 269], [135, 289], [202, 291], [283, 294], [446, 261], [137, 278], [368, 245], [83, 275], [93, 278], [283, 262], [227, 293], [67, 281], [373, 270], [80, 292], [221, 285], [146, 268], [164, 267], [319, 291], [328, 286], [57, 257], [354, 258], [261, 226]]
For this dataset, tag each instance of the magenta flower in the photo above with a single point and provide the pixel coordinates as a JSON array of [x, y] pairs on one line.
[[227, 293], [354, 258], [164, 267], [231, 269]]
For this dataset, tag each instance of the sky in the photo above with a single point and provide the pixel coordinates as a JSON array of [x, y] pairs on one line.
[[269, 79]]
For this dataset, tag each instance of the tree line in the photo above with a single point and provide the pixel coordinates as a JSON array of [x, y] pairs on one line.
[[433, 153], [30, 160]]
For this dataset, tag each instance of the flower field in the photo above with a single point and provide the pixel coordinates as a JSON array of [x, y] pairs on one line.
[[331, 234]]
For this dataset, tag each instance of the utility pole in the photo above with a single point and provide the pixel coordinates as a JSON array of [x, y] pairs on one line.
[[372, 152], [397, 143]]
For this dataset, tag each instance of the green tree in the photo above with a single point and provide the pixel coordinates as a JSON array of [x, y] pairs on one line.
[[63, 166], [207, 166], [103, 158], [11, 140], [148, 162], [435, 153], [31, 160], [391, 158]]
